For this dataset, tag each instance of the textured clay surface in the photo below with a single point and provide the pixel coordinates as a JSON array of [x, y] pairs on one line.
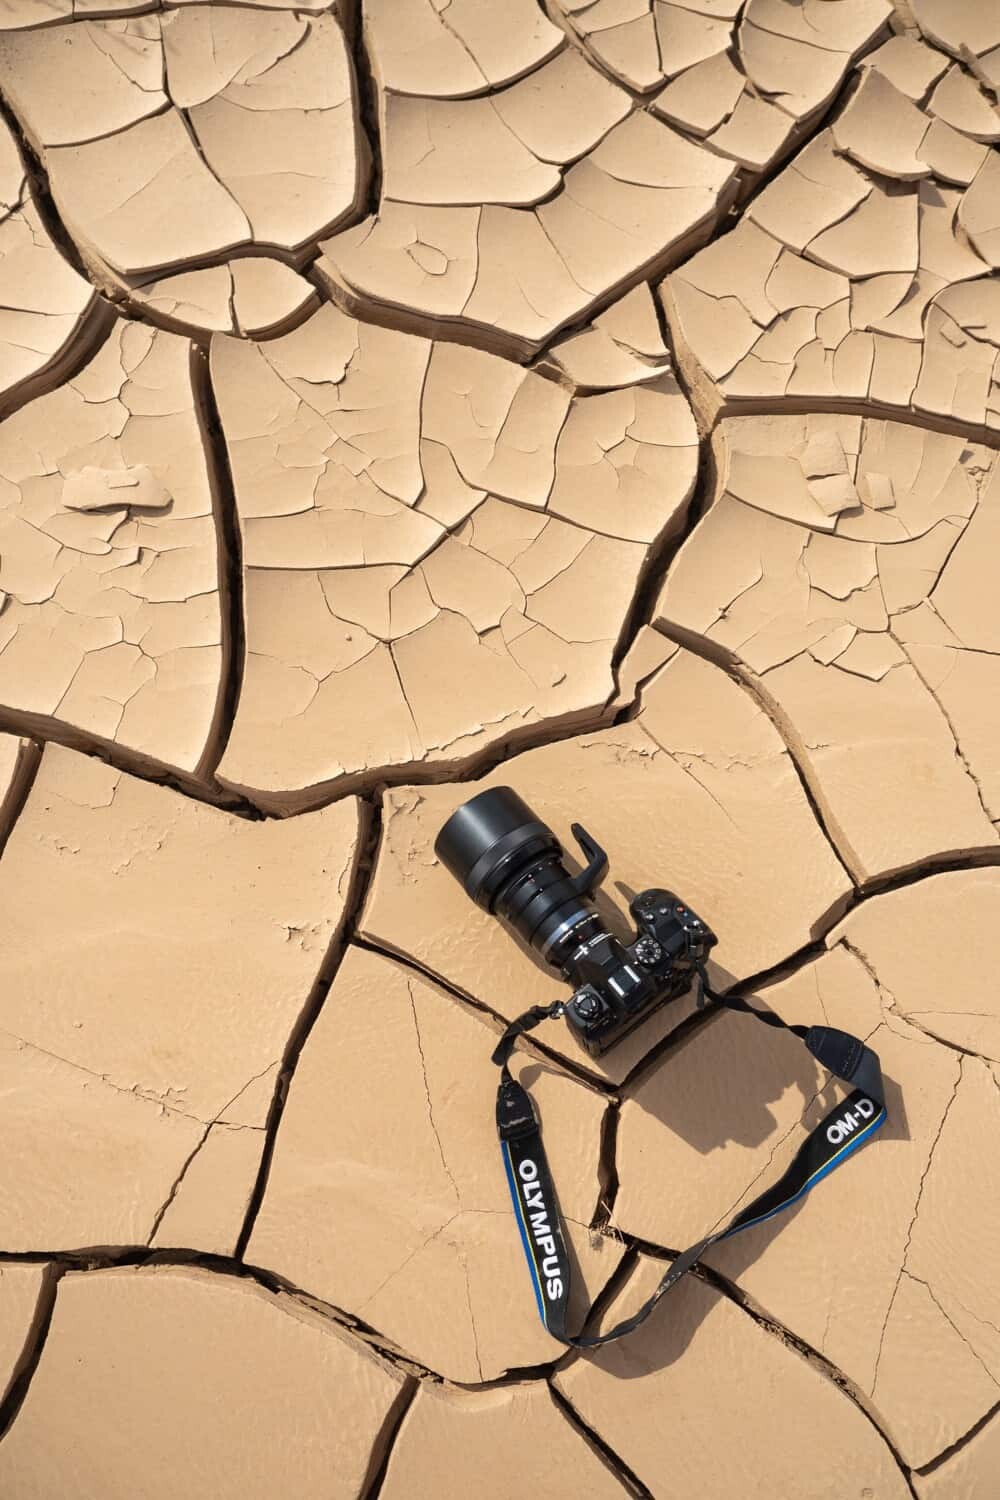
[[404, 398], [132, 1039], [219, 1355], [405, 502], [109, 570], [841, 572]]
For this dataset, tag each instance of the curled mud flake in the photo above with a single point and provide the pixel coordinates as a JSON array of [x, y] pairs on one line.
[[882, 131], [438, 1271], [179, 137], [108, 554], [909, 65], [510, 214], [284, 141], [267, 296], [979, 213], [876, 201], [466, 47], [427, 256], [250, 295], [952, 156], [282, 1365], [79, 82], [800, 604], [753, 135], [352, 448], [119, 198], [749, 82], [702, 97], [959, 101], [48, 309], [24, 13], [103, 1090], [190, 300], [959, 26], [627, 50]]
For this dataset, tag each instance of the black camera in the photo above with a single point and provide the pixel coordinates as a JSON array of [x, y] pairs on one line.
[[512, 864]]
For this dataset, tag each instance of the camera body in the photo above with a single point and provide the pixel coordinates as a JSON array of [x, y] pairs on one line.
[[511, 863], [617, 985]]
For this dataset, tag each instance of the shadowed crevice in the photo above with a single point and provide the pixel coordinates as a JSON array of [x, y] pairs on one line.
[[98, 1258], [46, 728], [607, 1168], [629, 1481], [385, 1441], [34, 1344], [97, 321], [718, 656], [42, 196], [812, 1357], [369, 840], [229, 549], [959, 1443], [369, 126], [29, 758], [578, 1071], [739, 406]]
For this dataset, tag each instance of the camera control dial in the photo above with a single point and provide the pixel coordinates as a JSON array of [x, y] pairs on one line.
[[587, 1005], [648, 952]]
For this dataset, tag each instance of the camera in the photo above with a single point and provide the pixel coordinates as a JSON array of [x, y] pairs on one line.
[[511, 864]]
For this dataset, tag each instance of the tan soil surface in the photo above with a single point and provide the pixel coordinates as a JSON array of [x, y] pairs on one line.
[[400, 398]]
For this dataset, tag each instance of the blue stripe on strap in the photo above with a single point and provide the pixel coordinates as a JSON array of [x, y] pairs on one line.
[[525, 1241]]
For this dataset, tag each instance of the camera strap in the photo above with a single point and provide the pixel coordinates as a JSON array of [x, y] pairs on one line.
[[838, 1135]]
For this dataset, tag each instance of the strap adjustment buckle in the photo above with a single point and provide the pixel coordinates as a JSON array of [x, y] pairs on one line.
[[531, 1018], [515, 1113]]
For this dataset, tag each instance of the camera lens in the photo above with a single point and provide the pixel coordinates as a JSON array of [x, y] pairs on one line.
[[510, 862], [485, 839]]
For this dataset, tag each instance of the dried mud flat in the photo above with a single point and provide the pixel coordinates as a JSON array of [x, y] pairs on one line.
[[399, 397]]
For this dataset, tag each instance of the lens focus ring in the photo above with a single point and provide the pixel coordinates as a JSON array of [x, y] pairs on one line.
[[511, 863]]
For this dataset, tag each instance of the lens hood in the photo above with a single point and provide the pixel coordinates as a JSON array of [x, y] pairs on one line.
[[487, 837]]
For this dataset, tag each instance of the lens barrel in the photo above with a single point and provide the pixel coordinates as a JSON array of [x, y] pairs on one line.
[[488, 838], [510, 862]]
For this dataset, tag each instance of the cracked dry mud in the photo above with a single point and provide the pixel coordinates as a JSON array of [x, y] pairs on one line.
[[405, 397]]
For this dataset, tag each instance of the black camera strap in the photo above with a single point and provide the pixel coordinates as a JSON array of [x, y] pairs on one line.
[[834, 1139]]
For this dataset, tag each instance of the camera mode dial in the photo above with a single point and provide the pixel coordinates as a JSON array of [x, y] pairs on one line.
[[648, 952]]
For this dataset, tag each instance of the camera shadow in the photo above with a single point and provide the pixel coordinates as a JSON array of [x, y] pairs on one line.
[[731, 1081], [672, 1325], [728, 1080]]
